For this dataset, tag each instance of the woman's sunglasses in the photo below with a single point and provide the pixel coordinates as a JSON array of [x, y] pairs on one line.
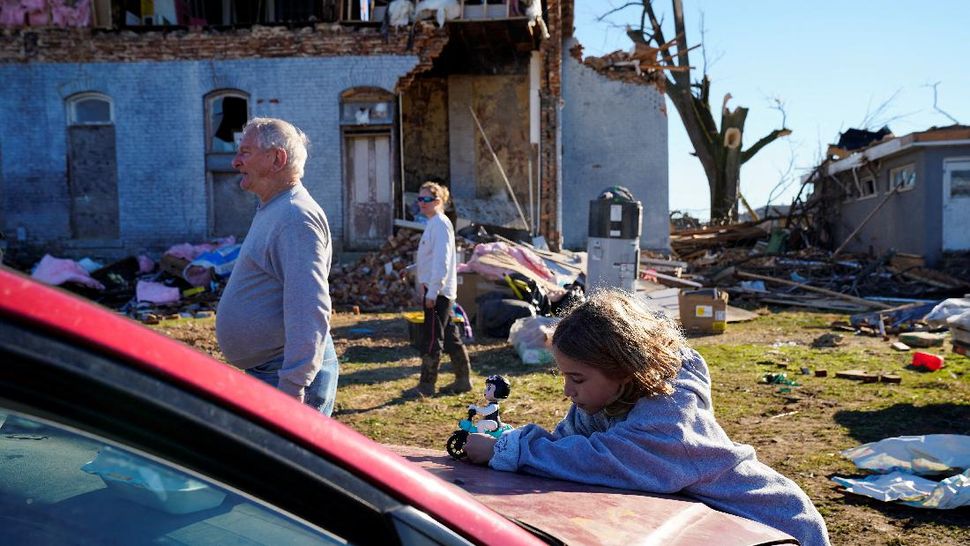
[[426, 199]]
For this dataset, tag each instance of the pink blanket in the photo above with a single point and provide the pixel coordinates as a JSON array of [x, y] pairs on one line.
[[57, 271]]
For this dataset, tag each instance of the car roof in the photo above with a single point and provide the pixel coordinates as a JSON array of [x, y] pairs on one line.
[[25, 300]]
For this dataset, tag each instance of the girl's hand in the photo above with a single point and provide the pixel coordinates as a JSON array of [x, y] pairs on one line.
[[479, 448]]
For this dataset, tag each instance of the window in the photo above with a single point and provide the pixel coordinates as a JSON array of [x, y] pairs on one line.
[[227, 113], [867, 187], [60, 485], [903, 177], [959, 182], [90, 109]]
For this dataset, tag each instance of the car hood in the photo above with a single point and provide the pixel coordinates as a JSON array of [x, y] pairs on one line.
[[584, 514]]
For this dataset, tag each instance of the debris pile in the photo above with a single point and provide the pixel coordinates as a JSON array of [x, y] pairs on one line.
[[378, 280]]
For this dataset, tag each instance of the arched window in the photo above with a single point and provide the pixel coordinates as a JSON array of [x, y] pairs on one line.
[[226, 114], [230, 208], [90, 109]]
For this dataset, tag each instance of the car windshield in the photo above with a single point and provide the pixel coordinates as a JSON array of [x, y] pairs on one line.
[[61, 486]]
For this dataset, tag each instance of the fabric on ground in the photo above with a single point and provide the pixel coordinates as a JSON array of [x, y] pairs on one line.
[[57, 271]]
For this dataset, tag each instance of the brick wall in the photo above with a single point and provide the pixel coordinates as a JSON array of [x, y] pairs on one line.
[[160, 132], [614, 133]]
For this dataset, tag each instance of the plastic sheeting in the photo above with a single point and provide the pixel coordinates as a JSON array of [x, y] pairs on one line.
[[911, 490], [531, 337], [901, 461], [938, 316]]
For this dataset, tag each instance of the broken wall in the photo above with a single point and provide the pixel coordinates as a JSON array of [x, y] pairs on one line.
[[159, 110], [613, 133], [501, 104], [424, 125]]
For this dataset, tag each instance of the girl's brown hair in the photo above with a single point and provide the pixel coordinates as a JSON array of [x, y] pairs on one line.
[[615, 333]]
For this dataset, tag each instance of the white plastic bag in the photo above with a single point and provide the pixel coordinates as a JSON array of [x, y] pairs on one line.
[[531, 337], [899, 459], [945, 309]]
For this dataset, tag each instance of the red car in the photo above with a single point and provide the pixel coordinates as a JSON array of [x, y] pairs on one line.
[[111, 433]]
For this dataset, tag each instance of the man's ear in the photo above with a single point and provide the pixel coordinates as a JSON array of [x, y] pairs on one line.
[[279, 159]]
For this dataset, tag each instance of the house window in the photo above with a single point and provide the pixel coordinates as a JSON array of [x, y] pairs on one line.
[[227, 113], [90, 109], [867, 187], [960, 182], [230, 207], [903, 177]]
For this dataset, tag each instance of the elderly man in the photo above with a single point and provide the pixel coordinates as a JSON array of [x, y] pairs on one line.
[[274, 317]]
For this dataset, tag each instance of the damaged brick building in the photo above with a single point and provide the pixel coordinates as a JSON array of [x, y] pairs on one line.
[[117, 131]]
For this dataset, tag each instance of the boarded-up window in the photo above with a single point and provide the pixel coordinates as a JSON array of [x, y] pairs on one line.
[[92, 168]]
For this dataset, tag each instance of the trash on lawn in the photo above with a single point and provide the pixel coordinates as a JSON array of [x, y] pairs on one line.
[[157, 293], [911, 490], [937, 317], [929, 361], [901, 460], [921, 339], [57, 271], [827, 340], [531, 337], [857, 375]]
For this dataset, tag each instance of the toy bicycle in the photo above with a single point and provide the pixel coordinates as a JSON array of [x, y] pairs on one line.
[[458, 438]]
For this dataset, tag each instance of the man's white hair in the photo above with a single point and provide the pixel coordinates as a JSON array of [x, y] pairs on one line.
[[276, 133]]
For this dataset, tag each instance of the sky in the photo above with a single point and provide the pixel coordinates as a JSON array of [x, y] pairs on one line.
[[833, 66]]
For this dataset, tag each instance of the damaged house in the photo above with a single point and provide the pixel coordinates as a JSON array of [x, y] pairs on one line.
[[910, 194], [119, 120]]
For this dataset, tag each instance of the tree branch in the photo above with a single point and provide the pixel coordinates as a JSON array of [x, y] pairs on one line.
[[766, 140], [937, 108], [617, 10]]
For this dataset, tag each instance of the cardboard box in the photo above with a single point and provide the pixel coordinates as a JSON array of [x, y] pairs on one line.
[[473, 285], [704, 310]]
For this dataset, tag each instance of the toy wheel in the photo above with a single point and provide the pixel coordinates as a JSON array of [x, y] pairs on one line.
[[456, 444]]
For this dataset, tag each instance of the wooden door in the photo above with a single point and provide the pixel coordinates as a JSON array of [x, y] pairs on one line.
[[93, 181], [369, 181]]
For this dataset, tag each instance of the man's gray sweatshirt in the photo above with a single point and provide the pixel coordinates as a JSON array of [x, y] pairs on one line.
[[277, 302]]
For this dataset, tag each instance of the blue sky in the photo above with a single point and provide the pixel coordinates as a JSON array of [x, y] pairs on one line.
[[832, 65]]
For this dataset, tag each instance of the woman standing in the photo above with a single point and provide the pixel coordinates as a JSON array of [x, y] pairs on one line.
[[437, 285]]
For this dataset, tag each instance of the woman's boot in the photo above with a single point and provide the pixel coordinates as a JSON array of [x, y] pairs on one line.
[[460, 361]]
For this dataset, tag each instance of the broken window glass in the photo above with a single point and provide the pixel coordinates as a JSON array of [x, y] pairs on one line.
[[904, 177], [227, 116]]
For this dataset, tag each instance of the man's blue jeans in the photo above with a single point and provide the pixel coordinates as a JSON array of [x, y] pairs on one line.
[[322, 390]]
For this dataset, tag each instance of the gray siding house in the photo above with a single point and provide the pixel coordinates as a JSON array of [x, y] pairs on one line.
[[909, 193]]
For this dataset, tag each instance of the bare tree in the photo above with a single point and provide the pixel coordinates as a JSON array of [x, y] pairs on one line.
[[719, 148]]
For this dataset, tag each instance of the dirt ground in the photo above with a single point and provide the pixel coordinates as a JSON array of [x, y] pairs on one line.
[[799, 431]]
